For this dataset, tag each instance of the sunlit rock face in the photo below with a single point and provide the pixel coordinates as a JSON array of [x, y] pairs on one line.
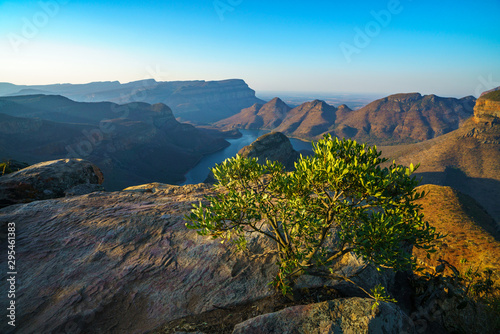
[[488, 106]]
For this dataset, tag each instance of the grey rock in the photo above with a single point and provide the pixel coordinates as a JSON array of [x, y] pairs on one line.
[[50, 179], [83, 189], [350, 315]]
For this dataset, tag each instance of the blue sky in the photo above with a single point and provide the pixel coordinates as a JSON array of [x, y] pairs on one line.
[[450, 48]]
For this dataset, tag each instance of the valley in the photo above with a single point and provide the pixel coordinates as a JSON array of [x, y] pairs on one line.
[[136, 154]]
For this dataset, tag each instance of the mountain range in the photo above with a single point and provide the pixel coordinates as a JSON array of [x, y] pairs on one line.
[[467, 159], [399, 118], [132, 143], [197, 102]]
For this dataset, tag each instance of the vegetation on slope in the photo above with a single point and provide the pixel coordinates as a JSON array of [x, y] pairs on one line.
[[470, 233], [493, 96]]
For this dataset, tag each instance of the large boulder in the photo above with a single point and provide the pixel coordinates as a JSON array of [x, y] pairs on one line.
[[51, 179], [273, 146], [125, 262], [346, 315]]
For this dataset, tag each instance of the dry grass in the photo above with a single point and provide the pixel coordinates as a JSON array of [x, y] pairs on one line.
[[470, 231]]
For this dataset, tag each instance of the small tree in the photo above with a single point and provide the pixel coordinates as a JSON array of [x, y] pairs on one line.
[[338, 201]]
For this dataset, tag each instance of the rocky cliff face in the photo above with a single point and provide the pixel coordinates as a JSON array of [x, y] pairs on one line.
[[487, 107], [211, 101]]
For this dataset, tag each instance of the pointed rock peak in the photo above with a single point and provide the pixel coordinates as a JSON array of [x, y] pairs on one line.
[[312, 104], [344, 107], [277, 102], [318, 104]]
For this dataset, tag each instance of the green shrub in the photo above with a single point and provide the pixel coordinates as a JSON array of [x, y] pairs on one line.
[[338, 201]]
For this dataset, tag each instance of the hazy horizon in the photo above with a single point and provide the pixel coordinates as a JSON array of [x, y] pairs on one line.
[[366, 47], [269, 94]]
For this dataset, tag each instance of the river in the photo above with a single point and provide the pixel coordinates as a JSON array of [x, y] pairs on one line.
[[200, 172]]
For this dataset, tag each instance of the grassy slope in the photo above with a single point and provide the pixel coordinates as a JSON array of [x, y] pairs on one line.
[[470, 230], [467, 159], [493, 96]]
